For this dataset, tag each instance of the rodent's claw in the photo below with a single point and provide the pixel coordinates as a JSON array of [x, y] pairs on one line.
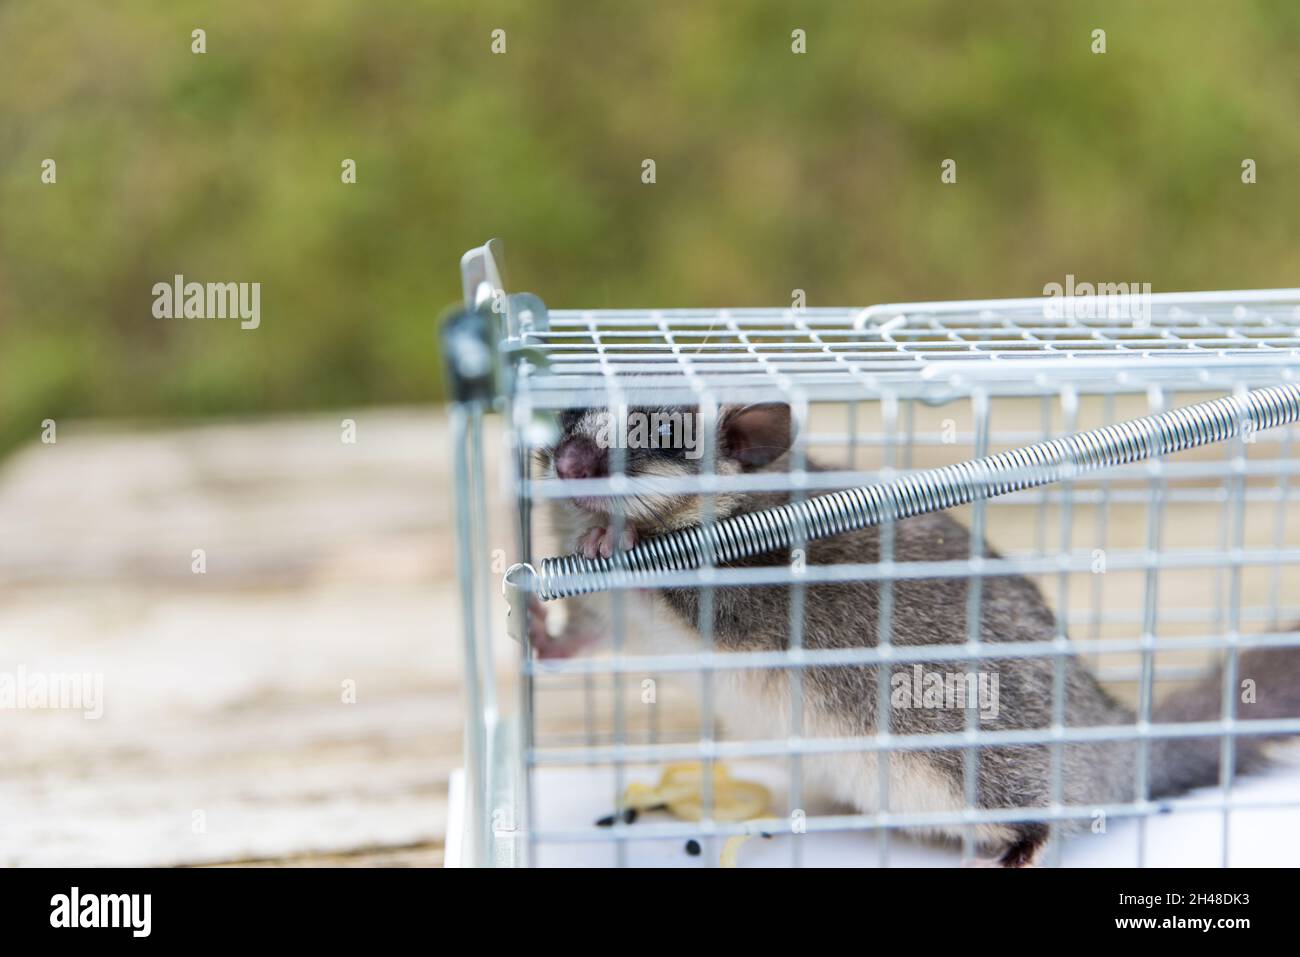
[[599, 541], [589, 543], [627, 541]]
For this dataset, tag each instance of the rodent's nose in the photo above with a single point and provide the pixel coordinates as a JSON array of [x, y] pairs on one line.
[[579, 458]]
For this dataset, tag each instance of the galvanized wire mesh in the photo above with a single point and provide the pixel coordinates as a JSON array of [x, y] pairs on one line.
[[915, 407]]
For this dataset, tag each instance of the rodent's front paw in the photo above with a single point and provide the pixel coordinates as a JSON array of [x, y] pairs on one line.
[[599, 542], [539, 637], [566, 646], [537, 633]]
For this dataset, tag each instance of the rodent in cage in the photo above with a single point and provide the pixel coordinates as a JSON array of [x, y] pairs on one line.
[[719, 520], [927, 611]]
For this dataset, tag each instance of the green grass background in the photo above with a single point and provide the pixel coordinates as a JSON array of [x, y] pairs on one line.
[[776, 171]]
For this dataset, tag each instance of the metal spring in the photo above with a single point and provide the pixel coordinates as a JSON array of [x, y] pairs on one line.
[[931, 490]]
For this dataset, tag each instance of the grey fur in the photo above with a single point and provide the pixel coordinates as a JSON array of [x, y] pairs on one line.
[[934, 611]]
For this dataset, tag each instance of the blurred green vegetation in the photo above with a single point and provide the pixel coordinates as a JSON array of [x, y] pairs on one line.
[[776, 171]]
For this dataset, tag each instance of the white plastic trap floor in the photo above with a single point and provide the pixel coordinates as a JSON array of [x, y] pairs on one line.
[[1264, 837]]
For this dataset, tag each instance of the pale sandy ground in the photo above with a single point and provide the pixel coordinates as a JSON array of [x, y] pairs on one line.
[[224, 736]]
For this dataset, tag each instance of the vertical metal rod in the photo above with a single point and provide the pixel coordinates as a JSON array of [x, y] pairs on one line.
[[1227, 743], [477, 844], [527, 689], [1102, 532], [884, 712], [1221, 582], [1279, 530], [974, 614], [794, 676], [909, 421], [1040, 516], [1069, 399], [1156, 402], [708, 726], [618, 602], [485, 602]]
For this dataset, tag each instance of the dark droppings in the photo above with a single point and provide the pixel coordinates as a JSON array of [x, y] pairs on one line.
[[693, 847], [629, 817]]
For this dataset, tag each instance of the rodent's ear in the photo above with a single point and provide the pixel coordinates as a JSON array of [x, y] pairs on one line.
[[756, 435]]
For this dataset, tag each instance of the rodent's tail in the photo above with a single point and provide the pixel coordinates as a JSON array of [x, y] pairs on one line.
[[1179, 764]]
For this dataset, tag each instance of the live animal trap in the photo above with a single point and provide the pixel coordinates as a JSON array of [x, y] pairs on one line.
[[1133, 456]]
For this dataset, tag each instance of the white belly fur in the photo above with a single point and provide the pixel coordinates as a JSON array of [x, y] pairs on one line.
[[756, 705]]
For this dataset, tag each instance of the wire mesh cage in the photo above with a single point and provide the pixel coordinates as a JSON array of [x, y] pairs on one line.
[[1009, 580]]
